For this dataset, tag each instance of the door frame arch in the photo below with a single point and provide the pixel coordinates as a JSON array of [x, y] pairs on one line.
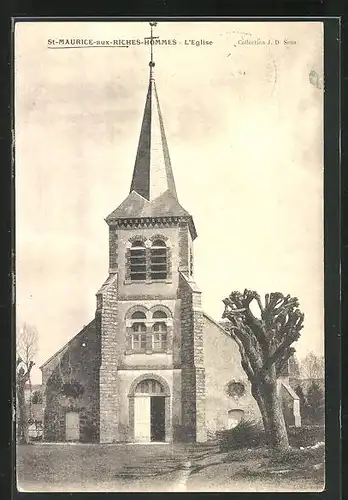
[[166, 395]]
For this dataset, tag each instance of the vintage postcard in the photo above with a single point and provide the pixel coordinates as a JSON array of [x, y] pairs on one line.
[[169, 256]]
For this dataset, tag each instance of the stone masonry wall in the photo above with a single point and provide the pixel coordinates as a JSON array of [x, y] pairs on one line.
[[78, 362], [184, 248], [223, 367], [106, 317], [193, 372], [113, 249]]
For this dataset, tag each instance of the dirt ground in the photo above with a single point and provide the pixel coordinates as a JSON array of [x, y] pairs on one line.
[[154, 467]]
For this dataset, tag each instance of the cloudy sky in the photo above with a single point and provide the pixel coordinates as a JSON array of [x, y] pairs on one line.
[[244, 123]]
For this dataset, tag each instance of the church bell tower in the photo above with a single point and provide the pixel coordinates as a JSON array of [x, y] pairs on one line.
[[152, 377]]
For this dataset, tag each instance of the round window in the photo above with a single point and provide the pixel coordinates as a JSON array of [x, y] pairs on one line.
[[235, 389]]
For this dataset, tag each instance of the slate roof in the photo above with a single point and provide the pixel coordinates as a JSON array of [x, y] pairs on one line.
[[152, 174], [136, 206], [153, 192]]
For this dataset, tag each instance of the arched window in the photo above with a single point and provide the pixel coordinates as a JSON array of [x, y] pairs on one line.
[[138, 261], [138, 337], [159, 314], [138, 315], [160, 327], [149, 331], [149, 386], [138, 327], [158, 260], [159, 336]]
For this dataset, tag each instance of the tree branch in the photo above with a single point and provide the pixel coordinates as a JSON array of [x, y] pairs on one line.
[[249, 342], [245, 317], [292, 336], [264, 341]]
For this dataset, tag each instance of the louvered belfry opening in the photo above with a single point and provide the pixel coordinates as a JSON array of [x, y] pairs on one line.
[[158, 260], [138, 261]]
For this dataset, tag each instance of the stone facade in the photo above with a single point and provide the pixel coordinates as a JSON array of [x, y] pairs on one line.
[[222, 368], [198, 361], [191, 364], [113, 246], [192, 357], [106, 320], [79, 362], [180, 366], [116, 367]]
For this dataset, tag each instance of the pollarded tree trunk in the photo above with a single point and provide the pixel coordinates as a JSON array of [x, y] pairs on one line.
[[268, 401], [277, 429], [264, 414], [265, 345]]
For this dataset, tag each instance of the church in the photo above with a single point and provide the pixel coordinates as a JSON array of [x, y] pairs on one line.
[[150, 366]]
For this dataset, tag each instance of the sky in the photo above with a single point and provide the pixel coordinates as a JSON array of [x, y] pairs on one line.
[[244, 124]]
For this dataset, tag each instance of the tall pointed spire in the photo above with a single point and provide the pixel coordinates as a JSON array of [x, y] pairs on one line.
[[152, 174]]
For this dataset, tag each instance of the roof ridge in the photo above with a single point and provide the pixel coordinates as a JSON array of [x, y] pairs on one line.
[[67, 343]]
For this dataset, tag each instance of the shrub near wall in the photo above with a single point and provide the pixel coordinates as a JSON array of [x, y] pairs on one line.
[[250, 434], [246, 434]]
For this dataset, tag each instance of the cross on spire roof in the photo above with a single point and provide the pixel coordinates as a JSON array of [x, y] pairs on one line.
[[152, 174], [153, 191], [151, 38]]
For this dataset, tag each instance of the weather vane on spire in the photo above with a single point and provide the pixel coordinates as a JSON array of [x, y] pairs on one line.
[[151, 38]]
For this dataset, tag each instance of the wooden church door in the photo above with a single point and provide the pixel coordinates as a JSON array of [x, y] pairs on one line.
[[149, 412], [142, 420], [72, 426]]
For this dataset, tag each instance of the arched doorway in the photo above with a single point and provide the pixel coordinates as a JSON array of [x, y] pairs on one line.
[[149, 409]]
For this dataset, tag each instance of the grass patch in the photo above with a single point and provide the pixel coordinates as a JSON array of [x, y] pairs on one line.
[[264, 464], [295, 456], [294, 463]]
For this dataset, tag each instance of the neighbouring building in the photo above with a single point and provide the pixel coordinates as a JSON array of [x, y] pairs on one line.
[[151, 365]]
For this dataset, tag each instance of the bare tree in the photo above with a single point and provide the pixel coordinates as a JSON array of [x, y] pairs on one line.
[[26, 342], [312, 366], [265, 345]]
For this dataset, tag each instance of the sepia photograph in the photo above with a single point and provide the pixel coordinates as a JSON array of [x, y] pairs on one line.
[[169, 256]]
